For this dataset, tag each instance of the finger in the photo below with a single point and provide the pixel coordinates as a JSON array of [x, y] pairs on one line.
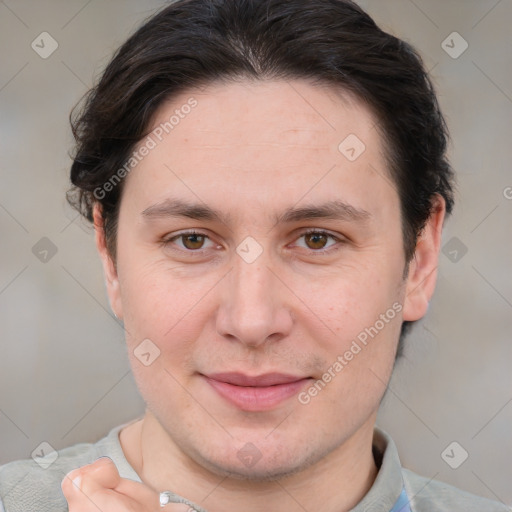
[[99, 484], [71, 484], [100, 475], [80, 485]]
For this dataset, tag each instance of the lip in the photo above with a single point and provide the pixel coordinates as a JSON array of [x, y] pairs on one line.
[[256, 393]]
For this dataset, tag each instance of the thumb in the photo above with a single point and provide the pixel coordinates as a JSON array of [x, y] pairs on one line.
[[101, 481], [101, 474], [99, 486]]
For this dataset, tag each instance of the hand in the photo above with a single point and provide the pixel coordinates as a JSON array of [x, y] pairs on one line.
[[98, 487]]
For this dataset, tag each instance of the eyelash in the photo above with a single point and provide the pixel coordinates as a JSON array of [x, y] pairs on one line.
[[168, 241]]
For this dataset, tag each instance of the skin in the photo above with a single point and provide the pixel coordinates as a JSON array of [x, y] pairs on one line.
[[98, 486], [251, 150]]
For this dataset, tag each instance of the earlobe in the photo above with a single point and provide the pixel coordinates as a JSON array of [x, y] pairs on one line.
[[109, 269], [422, 275]]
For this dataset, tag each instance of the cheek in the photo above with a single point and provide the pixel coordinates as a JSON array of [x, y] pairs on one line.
[[358, 357], [350, 298], [155, 301], [163, 317], [357, 328]]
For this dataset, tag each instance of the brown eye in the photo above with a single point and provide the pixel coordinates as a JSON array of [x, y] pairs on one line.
[[193, 241], [319, 242], [316, 240], [189, 243]]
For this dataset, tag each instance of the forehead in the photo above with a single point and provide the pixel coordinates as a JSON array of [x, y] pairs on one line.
[[256, 110], [263, 139]]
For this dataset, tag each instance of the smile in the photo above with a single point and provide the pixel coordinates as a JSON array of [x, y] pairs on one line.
[[258, 393]]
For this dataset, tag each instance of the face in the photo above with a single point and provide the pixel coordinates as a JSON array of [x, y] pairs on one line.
[[264, 262]]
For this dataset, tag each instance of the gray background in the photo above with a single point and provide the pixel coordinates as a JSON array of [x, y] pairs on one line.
[[64, 373]]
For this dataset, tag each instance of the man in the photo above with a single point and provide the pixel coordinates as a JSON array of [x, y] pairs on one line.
[[268, 185]]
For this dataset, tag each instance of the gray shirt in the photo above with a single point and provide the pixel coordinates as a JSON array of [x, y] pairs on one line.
[[25, 486]]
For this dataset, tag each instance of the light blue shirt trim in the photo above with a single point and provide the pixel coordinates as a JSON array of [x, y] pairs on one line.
[[402, 504]]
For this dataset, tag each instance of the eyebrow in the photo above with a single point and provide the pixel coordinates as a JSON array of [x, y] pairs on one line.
[[335, 210], [178, 208]]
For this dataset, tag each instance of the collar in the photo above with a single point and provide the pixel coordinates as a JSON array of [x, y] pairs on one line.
[[387, 494]]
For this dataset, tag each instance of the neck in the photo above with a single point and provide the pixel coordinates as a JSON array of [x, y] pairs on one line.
[[341, 478]]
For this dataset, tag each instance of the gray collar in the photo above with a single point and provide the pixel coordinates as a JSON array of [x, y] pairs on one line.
[[381, 497], [388, 485]]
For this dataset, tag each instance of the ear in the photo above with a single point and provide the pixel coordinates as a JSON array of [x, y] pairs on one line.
[[109, 269], [422, 274]]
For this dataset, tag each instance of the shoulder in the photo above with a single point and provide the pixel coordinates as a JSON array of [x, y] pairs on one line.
[[35, 485], [427, 495]]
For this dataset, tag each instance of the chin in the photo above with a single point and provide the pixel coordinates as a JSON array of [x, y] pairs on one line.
[[258, 473], [274, 464]]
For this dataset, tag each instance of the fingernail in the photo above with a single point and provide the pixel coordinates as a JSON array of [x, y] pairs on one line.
[[77, 482], [104, 458]]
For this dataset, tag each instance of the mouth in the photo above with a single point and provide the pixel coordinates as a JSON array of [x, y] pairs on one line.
[[256, 393]]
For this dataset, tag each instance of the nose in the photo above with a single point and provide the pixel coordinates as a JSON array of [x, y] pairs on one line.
[[254, 306]]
